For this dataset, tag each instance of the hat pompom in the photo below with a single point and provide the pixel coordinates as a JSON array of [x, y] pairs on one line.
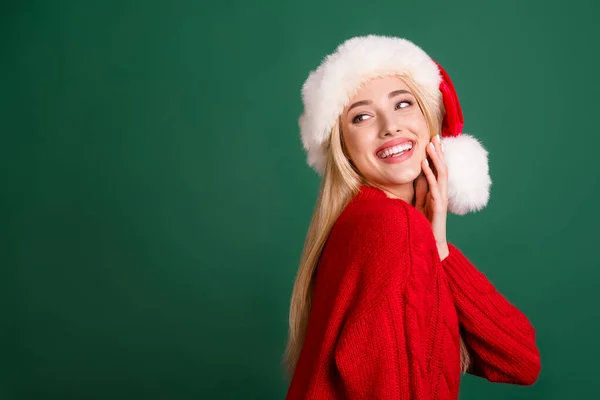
[[468, 174]]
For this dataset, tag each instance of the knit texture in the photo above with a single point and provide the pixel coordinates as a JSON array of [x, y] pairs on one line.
[[386, 313]]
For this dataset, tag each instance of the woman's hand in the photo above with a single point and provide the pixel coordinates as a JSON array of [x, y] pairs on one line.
[[431, 194]]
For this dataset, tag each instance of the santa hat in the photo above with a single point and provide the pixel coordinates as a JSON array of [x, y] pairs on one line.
[[330, 87]]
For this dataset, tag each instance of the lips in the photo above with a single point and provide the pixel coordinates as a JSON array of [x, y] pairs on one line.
[[393, 143], [396, 151]]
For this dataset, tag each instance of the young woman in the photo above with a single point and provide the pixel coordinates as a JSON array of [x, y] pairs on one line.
[[383, 307]]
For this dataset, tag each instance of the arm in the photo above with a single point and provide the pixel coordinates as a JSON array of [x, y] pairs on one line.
[[373, 356], [376, 351], [500, 338]]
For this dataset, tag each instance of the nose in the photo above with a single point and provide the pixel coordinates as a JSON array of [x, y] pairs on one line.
[[389, 126]]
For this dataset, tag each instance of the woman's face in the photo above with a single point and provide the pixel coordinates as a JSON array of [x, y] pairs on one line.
[[385, 133]]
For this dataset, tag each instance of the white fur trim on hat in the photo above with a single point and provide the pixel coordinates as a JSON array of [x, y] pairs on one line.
[[330, 87]]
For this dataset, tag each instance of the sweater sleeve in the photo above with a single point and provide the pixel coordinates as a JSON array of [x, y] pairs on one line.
[[374, 351], [500, 339], [373, 355]]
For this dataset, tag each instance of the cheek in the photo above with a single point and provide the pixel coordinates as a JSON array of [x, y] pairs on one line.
[[418, 125], [356, 144]]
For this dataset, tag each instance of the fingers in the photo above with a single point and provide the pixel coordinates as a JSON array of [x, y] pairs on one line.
[[431, 180], [437, 156]]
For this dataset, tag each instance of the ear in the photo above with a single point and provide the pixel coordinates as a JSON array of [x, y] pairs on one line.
[[469, 180]]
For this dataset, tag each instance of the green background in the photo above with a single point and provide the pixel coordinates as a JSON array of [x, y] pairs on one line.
[[155, 194]]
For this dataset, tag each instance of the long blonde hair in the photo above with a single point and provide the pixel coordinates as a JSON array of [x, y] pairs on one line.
[[340, 183]]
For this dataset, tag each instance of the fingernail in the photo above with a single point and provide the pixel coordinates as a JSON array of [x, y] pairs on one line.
[[432, 146], [426, 162], [438, 138]]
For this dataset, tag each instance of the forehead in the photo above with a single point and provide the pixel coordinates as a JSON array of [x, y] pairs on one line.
[[377, 87]]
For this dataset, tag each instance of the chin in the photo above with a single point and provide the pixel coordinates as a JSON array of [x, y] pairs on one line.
[[394, 175], [405, 176]]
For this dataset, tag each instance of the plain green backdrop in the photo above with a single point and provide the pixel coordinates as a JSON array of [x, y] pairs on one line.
[[155, 194]]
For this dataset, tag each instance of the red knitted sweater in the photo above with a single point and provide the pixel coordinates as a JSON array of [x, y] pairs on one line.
[[386, 313]]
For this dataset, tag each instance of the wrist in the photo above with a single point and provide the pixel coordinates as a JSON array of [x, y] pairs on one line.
[[443, 250]]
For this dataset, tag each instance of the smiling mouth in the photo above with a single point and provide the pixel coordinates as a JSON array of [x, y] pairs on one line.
[[395, 151]]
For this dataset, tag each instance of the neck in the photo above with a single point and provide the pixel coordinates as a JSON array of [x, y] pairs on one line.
[[405, 192]]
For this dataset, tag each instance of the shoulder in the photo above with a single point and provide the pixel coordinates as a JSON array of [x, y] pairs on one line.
[[382, 218], [375, 215], [370, 242]]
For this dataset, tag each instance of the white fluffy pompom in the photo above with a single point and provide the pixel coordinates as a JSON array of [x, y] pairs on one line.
[[468, 174]]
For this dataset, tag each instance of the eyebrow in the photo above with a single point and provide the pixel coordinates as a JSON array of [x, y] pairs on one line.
[[367, 102]]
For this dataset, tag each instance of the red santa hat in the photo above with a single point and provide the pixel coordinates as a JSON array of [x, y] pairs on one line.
[[330, 87]]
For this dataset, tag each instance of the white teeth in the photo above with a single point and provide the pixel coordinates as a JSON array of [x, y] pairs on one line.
[[392, 151]]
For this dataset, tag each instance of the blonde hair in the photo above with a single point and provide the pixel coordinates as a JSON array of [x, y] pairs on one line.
[[341, 182]]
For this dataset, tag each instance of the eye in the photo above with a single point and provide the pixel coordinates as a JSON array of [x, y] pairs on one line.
[[360, 118], [403, 104]]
